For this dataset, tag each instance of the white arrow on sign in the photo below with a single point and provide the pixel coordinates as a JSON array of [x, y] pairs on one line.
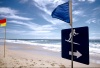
[[77, 54]]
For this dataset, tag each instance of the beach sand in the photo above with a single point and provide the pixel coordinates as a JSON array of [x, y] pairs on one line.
[[28, 56]]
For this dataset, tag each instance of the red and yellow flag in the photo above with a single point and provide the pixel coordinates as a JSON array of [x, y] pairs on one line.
[[3, 22]]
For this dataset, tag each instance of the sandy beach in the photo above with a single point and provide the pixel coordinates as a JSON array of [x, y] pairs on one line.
[[26, 56]]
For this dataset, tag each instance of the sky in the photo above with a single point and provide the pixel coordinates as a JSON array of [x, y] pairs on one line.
[[31, 19]]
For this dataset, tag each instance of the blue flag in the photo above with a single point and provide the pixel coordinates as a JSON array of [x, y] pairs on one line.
[[62, 12]]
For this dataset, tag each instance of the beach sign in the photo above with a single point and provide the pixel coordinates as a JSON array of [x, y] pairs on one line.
[[80, 44]]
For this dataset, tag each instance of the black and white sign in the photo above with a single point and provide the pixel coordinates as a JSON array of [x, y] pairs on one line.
[[80, 44]]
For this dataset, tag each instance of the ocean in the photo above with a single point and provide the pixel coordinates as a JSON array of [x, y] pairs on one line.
[[55, 45]]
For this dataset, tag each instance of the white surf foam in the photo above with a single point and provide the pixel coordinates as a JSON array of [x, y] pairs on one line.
[[94, 47]]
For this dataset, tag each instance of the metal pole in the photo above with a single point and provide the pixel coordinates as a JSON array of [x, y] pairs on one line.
[[72, 48], [70, 6], [5, 42]]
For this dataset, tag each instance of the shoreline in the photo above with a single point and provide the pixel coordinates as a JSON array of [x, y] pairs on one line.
[[35, 58]]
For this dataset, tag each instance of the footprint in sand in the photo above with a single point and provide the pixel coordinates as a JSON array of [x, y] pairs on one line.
[[23, 67], [26, 63], [42, 64], [53, 64], [35, 63], [53, 61], [62, 66], [32, 65], [2, 63], [39, 60], [17, 63], [26, 59], [48, 61], [31, 60]]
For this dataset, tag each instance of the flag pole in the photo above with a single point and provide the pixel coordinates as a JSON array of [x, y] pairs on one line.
[[5, 42], [71, 32]]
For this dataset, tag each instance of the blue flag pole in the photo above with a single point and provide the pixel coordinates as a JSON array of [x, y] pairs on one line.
[[70, 11]]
